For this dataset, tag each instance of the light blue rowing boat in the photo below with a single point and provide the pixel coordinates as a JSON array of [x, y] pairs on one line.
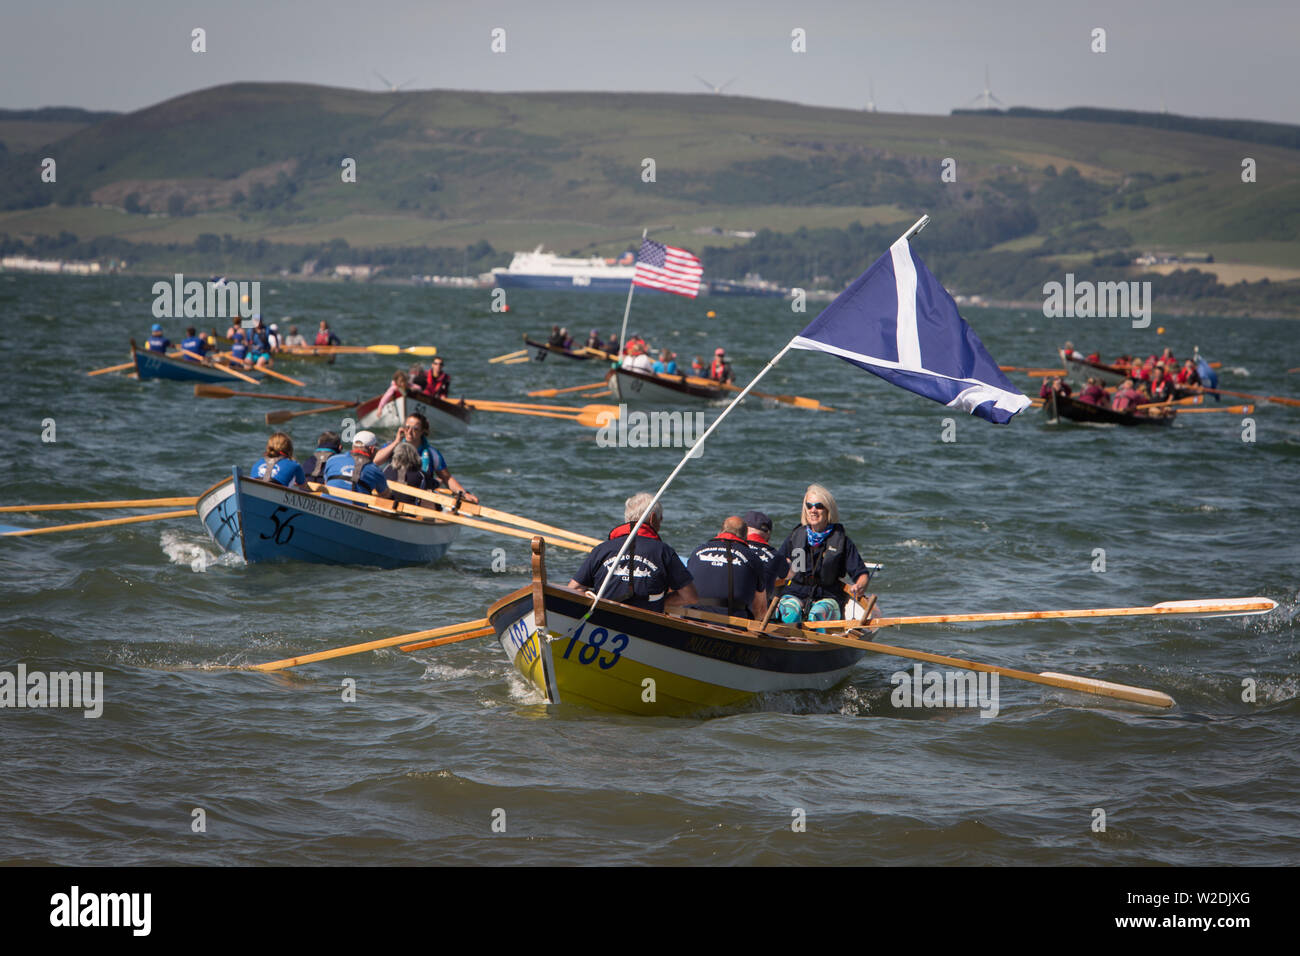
[[264, 521]]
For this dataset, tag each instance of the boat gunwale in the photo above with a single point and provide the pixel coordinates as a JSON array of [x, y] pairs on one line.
[[778, 637]]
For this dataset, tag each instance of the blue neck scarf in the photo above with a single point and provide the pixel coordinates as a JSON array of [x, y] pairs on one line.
[[815, 538]]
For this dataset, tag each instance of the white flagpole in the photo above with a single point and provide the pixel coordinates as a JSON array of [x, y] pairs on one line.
[[609, 576], [622, 335], [699, 442]]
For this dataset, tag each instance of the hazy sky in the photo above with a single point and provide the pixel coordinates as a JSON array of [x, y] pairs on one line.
[[1235, 59]]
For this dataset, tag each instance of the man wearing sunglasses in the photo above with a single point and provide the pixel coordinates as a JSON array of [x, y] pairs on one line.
[[819, 553]]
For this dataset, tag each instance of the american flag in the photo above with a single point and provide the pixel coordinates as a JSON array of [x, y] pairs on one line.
[[667, 268]]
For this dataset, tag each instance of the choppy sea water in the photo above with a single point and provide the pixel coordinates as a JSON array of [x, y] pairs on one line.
[[440, 744]]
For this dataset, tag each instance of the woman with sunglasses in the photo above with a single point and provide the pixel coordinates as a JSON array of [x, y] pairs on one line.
[[818, 554]]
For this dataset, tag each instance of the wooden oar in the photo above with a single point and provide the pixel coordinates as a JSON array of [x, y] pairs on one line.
[[798, 401], [220, 391], [516, 361], [1215, 607], [454, 639], [1045, 372], [1230, 409], [589, 416], [507, 356], [370, 645], [231, 370], [277, 418], [274, 374], [98, 505], [360, 349], [1277, 399], [101, 524], [1179, 402], [1086, 685], [401, 507], [113, 368], [1030, 371], [549, 392], [474, 510], [529, 406]]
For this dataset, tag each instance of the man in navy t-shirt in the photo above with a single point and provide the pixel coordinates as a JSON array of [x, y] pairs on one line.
[[758, 538], [659, 577], [157, 341], [193, 343], [728, 576]]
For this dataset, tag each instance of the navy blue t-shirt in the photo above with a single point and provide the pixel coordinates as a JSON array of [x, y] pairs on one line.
[[708, 567], [658, 570], [766, 555], [196, 345]]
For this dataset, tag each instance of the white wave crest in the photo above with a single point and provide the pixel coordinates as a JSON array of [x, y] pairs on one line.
[[185, 551]]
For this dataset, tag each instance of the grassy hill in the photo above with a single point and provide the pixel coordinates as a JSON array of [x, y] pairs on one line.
[[452, 168]]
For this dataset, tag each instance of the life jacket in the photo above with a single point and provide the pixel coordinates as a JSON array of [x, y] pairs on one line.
[[822, 568], [436, 387], [317, 470], [718, 370], [359, 462]]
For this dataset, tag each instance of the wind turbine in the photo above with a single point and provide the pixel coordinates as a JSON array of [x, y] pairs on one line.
[[716, 89], [987, 95], [392, 88], [871, 96]]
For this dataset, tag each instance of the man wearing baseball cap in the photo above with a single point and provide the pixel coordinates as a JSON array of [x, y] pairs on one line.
[[355, 470], [760, 530], [157, 341]]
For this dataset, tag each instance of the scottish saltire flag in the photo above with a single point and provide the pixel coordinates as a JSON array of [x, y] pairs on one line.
[[897, 321], [667, 268]]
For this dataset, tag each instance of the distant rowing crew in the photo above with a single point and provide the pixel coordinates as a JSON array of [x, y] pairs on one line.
[[737, 572], [252, 347]]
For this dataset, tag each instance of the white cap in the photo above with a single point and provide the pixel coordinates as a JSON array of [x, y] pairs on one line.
[[365, 439]]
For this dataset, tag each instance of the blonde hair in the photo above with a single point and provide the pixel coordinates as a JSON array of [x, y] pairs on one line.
[[279, 445], [819, 493]]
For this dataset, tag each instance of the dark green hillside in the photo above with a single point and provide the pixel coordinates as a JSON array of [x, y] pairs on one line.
[[259, 164]]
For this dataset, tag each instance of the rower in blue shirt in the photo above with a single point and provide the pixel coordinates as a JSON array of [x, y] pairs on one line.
[[355, 470], [194, 344], [667, 363], [157, 341], [277, 464], [239, 347]]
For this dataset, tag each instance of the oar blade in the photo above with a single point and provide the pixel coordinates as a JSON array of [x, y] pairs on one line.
[[1105, 688], [1227, 607]]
